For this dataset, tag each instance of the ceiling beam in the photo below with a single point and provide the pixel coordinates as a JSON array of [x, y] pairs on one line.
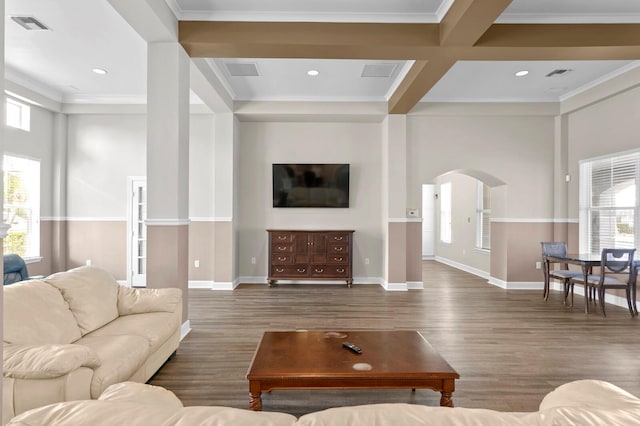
[[317, 40], [465, 22], [467, 32], [422, 75]]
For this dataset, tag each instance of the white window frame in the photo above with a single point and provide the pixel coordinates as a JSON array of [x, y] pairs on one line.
[[32, 225], [445, 212], [21, 116], [483, 217], [608, 211]]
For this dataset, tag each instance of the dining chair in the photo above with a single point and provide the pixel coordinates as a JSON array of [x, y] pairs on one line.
[[616, 272], [557, 249]]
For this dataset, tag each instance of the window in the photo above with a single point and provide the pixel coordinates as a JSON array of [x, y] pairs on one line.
[[483, 214], [22, 206], [609, 202], [18, 115], [445, 212]]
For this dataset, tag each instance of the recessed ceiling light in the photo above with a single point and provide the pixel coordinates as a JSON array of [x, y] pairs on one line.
[[522, 73], [313, 73], [99, 71]]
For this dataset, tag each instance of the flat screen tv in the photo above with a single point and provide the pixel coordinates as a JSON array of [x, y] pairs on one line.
[[311, 185]]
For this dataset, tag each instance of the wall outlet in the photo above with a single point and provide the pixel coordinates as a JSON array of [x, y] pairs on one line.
[[88, 262], [196, 263], [253, 260], [538, 265], [412, 212], [366, 260]]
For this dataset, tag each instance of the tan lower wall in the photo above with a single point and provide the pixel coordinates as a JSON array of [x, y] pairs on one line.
[[102, 242], [397, 252], [223, 252], [414, 251], [201, 247]]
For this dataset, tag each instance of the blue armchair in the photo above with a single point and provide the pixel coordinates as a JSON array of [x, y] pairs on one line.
[[15, 269]]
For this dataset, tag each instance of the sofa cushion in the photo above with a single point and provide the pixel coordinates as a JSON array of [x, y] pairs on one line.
[[120, 356], [155, 327], [409, 414], [143, 300], [36, 313], [46, 361], [140, 393], [92, 295], [95, 413]]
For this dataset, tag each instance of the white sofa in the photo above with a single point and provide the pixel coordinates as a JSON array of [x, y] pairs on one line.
[[71, 335], [579, 403]]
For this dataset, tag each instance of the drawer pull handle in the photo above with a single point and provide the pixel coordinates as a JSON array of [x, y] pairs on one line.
[[340, 270], [337, 259], [301, 270], [338, 248], [282, 237], [282, 258], [319, 270], [279, 270], [337, 238], [281, 248]]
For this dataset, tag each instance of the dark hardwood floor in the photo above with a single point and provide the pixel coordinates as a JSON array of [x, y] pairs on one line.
[[510, 347]]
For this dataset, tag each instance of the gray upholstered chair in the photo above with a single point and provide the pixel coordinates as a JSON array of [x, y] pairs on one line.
[[616, 272], [15, 269], [557, 249]]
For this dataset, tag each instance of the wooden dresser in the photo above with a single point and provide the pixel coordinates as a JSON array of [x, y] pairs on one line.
[[310, 255]]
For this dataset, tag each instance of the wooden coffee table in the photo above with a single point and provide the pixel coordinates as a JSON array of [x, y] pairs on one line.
[[317, 360]]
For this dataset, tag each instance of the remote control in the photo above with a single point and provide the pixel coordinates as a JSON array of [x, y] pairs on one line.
[[353, 347]]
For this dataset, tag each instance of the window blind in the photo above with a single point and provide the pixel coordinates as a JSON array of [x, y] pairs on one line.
[[609, 197]]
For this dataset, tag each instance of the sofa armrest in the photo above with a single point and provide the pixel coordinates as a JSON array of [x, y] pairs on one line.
[[46, 361], [591, 394], [143, 300]]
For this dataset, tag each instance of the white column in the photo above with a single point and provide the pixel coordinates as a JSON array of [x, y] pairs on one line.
[[168, 167]]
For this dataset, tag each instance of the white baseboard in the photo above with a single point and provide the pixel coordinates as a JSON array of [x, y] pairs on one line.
[[475, 271], [185, 329]]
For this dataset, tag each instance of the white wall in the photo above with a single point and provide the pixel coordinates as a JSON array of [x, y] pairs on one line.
[[103, 149], [36, 144], [516, 149], [261, 144], [606, 127]]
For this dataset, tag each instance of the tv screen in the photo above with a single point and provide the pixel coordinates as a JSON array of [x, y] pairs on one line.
[[310, 185]]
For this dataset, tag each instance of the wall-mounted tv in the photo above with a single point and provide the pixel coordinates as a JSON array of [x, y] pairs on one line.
[[311, 185]]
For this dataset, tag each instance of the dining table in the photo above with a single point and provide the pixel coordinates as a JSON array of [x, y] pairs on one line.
[[587, 261]]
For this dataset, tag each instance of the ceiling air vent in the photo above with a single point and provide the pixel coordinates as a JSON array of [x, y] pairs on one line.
[[29, 23], [558, 72], [378, 70], [242, 70]]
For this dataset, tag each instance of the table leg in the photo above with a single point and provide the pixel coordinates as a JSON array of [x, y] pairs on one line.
[[448, 387], [256, 401], [546, 266], [445, 399], [585, 273]]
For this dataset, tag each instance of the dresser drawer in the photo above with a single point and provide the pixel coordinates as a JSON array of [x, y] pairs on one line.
[[277, 248], [282, 259], [282, 237], [337, 248], [338, 238], [329, 271], [342, 259], [289, 271]]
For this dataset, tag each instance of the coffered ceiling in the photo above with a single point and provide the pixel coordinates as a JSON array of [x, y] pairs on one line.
[[395, 51]]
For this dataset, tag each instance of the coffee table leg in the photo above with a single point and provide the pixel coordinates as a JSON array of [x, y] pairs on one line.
[[256, 401], [445, 399], [447, 391]]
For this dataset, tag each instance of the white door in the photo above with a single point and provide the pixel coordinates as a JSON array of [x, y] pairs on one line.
[[137, 232]]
